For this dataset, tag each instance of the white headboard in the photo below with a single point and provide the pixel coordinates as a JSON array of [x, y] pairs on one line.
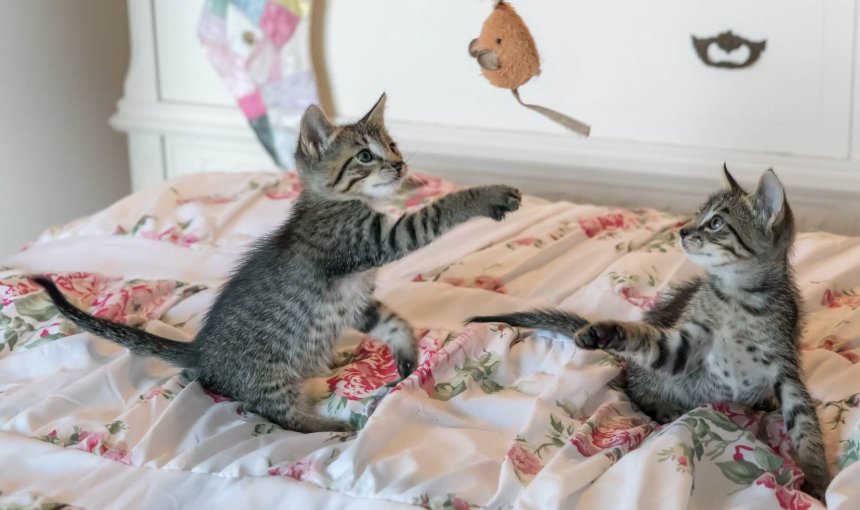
[[663, 120]]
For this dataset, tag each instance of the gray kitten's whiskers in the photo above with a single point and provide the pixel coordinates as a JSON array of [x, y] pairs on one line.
[[278, 318], [731, 335]]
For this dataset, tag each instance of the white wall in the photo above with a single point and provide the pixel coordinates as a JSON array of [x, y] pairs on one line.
[[62, 66]]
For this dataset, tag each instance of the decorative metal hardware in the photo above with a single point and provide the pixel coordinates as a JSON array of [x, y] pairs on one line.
[[728, 42]]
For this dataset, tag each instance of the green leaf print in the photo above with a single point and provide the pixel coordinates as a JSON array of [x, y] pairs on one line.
[[357, 421], [478, 370], [741, 472], [447, 391], [15, 329], [36, 306], [115, 427], [262, 429], [850, 452], [767, 460]]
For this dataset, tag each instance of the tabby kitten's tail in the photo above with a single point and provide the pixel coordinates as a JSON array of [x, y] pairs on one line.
[[558, 321], [180, 354]]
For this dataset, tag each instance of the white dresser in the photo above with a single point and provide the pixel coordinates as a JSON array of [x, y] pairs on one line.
[[665, 111]]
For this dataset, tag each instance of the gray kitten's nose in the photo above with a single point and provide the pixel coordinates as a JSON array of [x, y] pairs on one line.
[[684, 233], [398, 167]]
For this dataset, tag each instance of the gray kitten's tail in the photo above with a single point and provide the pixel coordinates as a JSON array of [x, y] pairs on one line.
[[180, 354], [559, 321]]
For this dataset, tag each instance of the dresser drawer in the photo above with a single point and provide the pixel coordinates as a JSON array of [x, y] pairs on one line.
[[184, 72], [628, 67], [191, 154]]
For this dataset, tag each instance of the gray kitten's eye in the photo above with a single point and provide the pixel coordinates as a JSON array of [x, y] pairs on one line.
[[364, 156], [716, 222]]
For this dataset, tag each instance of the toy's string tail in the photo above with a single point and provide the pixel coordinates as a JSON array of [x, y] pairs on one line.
[[568, 122]]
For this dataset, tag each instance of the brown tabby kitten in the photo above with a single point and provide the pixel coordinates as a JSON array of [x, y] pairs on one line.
[[278, 318], [731, 335]]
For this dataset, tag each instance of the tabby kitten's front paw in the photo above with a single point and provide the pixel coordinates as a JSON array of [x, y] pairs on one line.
[[601, 335], [499, 200], [406, 360]]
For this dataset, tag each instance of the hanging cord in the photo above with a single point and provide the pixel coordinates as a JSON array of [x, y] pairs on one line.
[[568, 122]]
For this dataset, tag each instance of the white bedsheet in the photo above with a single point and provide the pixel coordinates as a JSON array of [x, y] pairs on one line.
[[481, 424]]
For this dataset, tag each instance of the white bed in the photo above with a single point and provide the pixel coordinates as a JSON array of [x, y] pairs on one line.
[[481, 424]]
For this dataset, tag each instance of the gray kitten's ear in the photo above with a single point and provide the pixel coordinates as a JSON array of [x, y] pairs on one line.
[[374, 116], [769, 198], [730, 181], [315, 131]]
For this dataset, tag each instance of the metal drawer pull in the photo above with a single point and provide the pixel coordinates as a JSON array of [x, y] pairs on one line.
[[728, 42]]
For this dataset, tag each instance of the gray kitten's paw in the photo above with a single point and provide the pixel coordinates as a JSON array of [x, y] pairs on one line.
[[499, 200], [407, 361], [600, 335]]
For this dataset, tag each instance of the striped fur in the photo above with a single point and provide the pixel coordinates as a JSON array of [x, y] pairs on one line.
[[277, 319], [731, 335]]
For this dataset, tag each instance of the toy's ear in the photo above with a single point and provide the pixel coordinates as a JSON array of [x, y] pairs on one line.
[[473, 47], [489, 60], [375, 115]]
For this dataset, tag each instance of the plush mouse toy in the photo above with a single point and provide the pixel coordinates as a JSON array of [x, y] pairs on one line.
[[508, 57]]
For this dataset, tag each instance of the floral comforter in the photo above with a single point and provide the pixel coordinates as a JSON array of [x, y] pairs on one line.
[[484, 422]]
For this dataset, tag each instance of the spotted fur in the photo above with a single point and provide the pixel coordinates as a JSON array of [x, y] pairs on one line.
[[731, 335], [277, 319]]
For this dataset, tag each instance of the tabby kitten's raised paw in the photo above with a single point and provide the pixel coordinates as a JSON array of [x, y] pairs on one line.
[[601, 335], [498, 200]]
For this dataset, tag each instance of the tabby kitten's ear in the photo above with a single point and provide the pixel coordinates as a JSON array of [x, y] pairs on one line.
[[315, 131], [374, 116], [768, 201], [731, 183]]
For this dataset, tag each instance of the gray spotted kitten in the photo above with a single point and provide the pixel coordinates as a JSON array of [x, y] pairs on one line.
[[278, 318], [731, 335]]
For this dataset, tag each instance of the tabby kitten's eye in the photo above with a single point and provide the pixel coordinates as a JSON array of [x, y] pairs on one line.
[[716, 223], [364, 156], [393, 147]]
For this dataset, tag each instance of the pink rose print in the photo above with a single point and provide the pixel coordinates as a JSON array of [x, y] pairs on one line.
[[172, 235], [788, 499], [372, 367], [284, 189], [836, 299], [460, 504], [742, 415], [216, 398], [607, 222], [523, 460], [432, 187], [297, 470], [739, 455], [490, 283], [455, 281], [837, 345], [636, 299], [683, 461], [525, 241], [603, 431], [135, 303], [96, 442]]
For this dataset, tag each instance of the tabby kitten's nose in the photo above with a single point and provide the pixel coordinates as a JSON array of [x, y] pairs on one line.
[[684, 233], [398, 167]]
